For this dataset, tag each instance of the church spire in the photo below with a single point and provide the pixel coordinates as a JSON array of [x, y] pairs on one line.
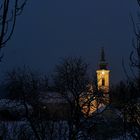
[[102, 64], [103, 75], [102, 54]]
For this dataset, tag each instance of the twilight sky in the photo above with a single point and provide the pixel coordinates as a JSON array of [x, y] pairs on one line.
[[49, 30]]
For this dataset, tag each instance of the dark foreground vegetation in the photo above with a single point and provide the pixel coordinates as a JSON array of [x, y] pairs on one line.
[[35, 109]]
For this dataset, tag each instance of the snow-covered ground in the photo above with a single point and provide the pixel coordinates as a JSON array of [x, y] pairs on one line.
[[11, 105], [22, 129]]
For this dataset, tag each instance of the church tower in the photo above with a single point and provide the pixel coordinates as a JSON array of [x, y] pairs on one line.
[[103, 75]]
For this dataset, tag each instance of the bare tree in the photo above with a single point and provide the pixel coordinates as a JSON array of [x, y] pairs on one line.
[[72, 81], [9, 10], [131, 106], [24, 85], [138, 2]]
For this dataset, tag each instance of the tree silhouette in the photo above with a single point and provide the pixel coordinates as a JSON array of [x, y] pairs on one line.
[[72, 81], [9, 10]]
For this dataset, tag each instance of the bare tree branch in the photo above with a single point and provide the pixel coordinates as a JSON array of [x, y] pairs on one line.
[[9, 10], [138, 2]]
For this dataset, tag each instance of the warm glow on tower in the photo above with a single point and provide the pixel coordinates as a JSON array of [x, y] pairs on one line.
[[103, 80], [90, 102], [103, 74]]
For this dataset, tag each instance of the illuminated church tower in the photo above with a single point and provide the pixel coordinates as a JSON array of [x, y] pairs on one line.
[[103, 75]]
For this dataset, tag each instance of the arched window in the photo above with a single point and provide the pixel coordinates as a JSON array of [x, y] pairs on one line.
[[103, 82]]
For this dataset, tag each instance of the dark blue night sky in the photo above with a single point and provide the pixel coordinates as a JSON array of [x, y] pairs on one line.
[[49, 30]]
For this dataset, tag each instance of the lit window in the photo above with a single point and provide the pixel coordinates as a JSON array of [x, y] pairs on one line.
[[103, 82]]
